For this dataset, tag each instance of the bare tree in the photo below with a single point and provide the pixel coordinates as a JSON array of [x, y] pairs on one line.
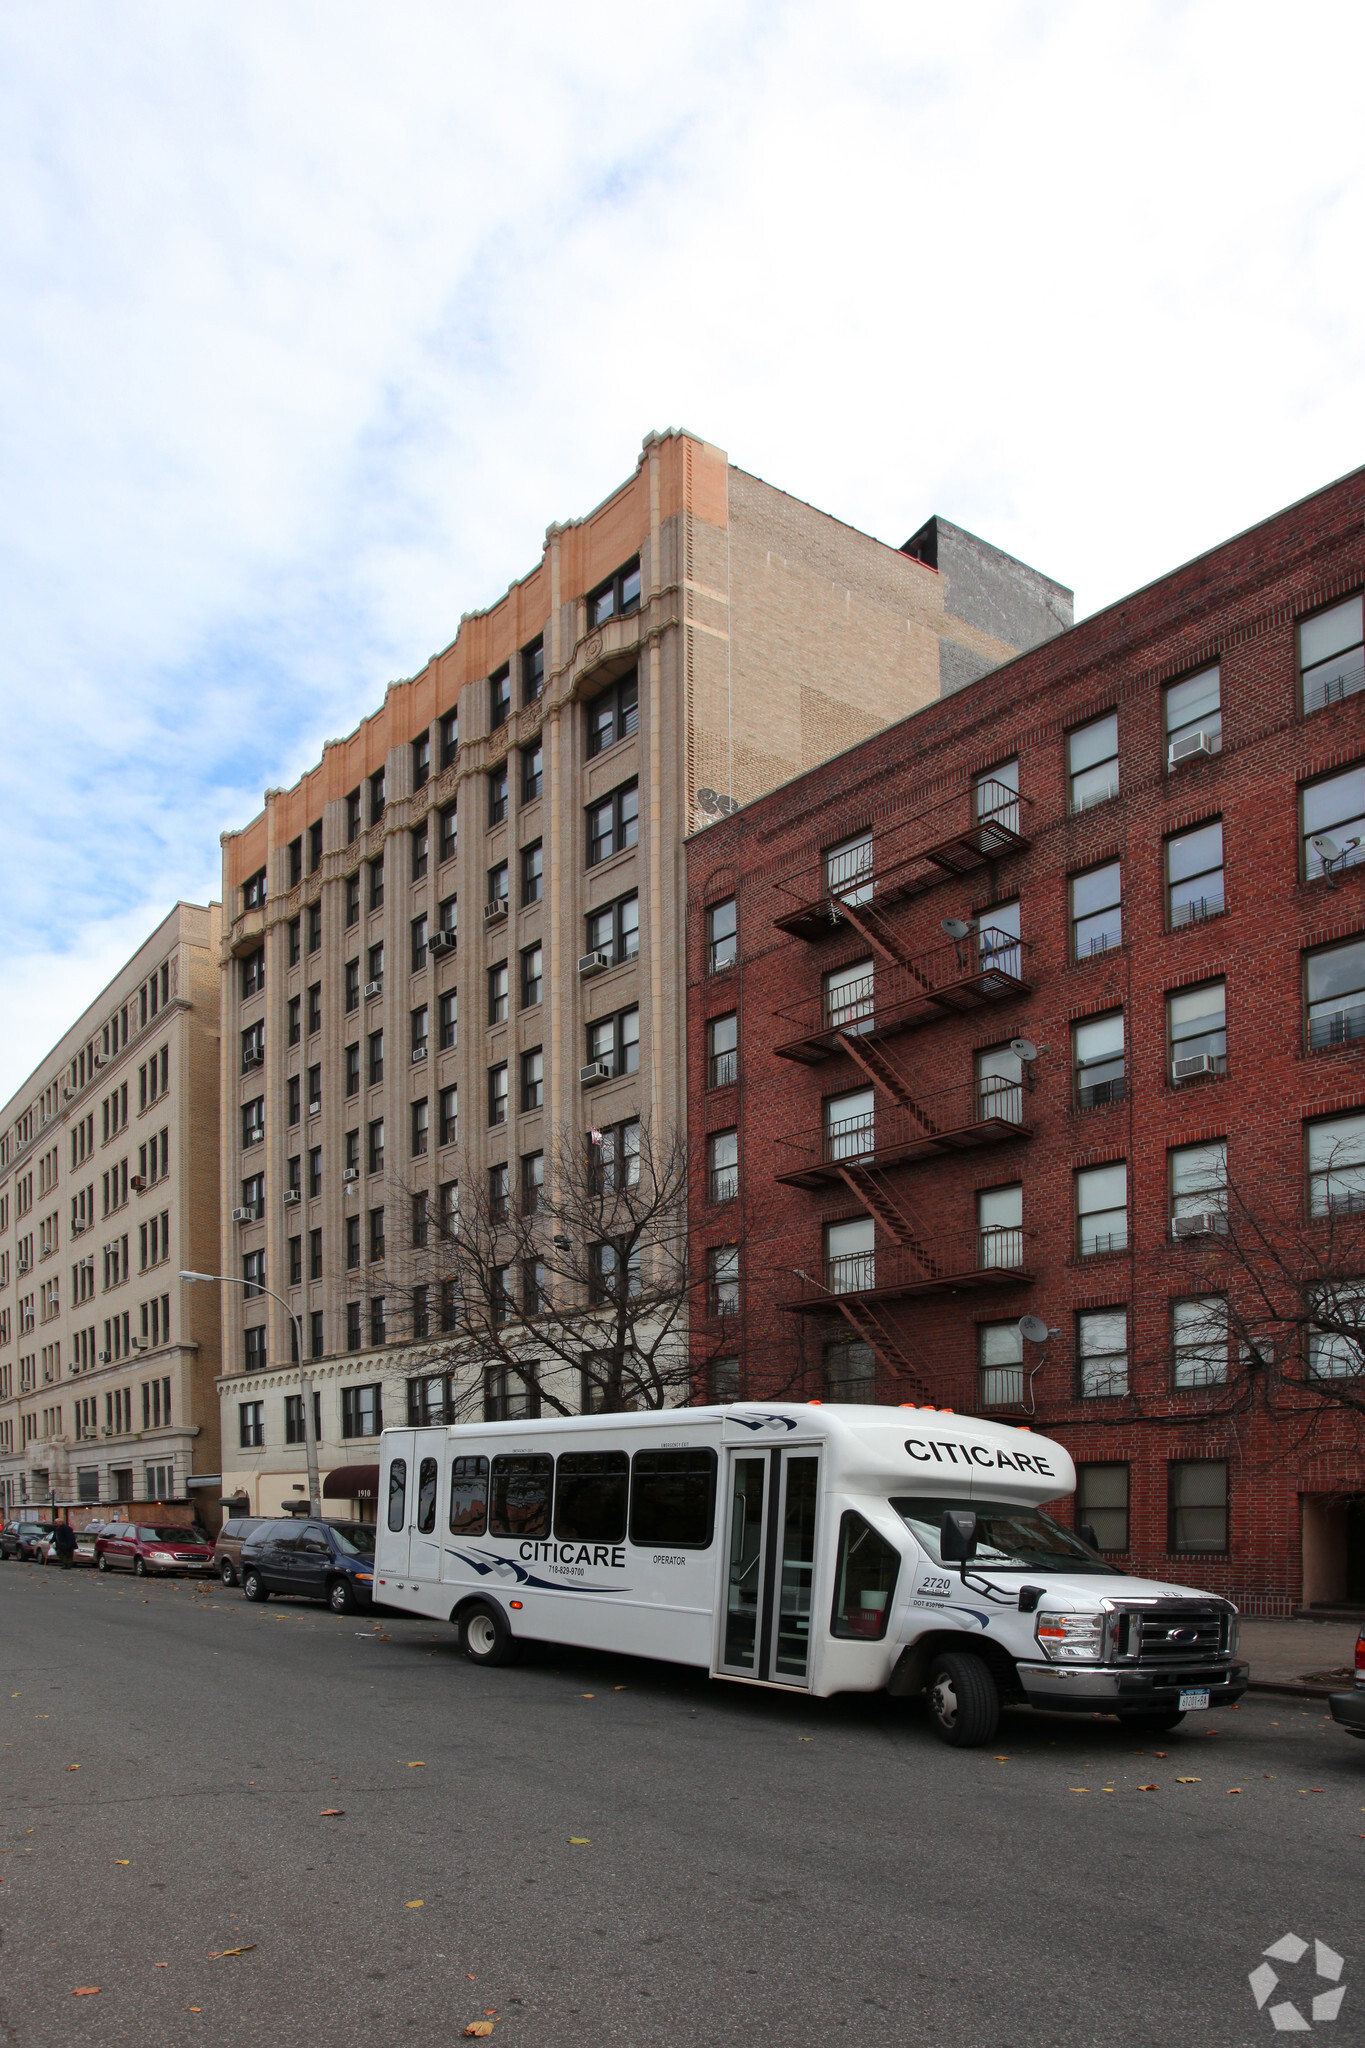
[[572, 1291]]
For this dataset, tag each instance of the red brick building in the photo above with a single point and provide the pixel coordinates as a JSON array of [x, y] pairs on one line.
[[1137, 852]]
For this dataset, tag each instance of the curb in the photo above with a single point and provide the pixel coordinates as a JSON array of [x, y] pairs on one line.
[[1306, 1690]]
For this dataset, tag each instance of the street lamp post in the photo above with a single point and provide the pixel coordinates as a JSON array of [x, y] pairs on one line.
[[310, 1435]]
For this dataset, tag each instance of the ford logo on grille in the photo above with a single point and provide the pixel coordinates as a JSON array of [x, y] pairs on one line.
[[1182, 1635]]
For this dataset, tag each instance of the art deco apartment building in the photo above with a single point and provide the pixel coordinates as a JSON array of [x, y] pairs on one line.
[[463, 931], [1043, 1018], [108, 1187]]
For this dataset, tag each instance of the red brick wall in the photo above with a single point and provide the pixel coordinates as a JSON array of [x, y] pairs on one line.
[[1237, 606]]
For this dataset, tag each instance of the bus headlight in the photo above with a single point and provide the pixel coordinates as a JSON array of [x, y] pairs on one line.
[[1071, 1638]]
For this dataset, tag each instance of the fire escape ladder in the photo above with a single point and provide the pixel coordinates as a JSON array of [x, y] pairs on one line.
[[875, 929], [877, 1192], [881, 1071], [867, 1321]]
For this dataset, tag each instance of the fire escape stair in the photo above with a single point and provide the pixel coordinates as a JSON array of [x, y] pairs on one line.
[[883, 1073], [876, 1191], [868, 1321]]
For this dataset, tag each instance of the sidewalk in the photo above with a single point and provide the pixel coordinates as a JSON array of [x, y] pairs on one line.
[[1314, 1657]]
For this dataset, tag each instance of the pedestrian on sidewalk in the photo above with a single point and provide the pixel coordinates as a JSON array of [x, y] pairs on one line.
[[64, 1545]]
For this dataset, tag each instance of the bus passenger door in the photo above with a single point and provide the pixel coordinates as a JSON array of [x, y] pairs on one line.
[[769, 1568], [424, 1505]]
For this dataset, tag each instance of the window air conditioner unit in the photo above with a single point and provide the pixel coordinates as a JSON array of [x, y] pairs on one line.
[[138, 1344], [1192, 746], [78, 1229], [137, 1182], [593, 963], [292, 1196], [494, 912], [99, 1059], [351, 1173], [1205, 1223], [443, 942], [253, 1058], [106, 1431], [419, 1052], [373, 989], [595, 1071], [1189, 1069], [104, 1360], [244, 1215], [315, 1106], [21, 1264]]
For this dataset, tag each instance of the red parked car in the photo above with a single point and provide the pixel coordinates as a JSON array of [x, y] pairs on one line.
[[136, 1547]]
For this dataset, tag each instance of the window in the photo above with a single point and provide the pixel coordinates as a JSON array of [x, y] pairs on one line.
[[532, 1182], [353, 1338], [376, 796], [520, 1504], [614, 931], [497, 884], [849, 995], [420, 841], [722, 936], [1333, 824], [590, 1496], [532, 872], [253, 973], [497, 1095], [1331, 657], [421, 1126], [1194, 875], [253, 1348], [722, 1165], [314, 927], [1335, 994], [1335, 1150], [295, 861], [673, 1499], [1102, 1209], [417, 1031], [293, 1417], [1097, 1060], [377, 1145], [421, 760], [353, 820], [362, 1411], [315, 1255], [419, 944], [865, 1573], [295, 945], [1197, 1507], [532, 772], [376, 1059], [499, 697], [1335, 1348], [722, 1050], [497, 992], [614, 1043], [1199, 1341], [850, 1371], [1102, 1352], [449, 842], [253, 1048], [351, 1234], [533, 1079], [1198, 1180], [468, 1496], [618, 1156], [1000, 1085], [253, 891], [850, 1127], [251, 1425], [314, 1172], [614, 715], [1194, 717], [532, 962], [375, 967], [315, 1008], [614, 823], [376, 874], [618, 595], [448, 915], [352, 900], [1102, 1504], [1197, 1025], [497, 794], [448, 1210], [449, 731], [1000, 1364], [449, 1014], [253, 1122], [848, 869], [1092, 759], [1096, 911], [376, 1236], [378, 1320], [995, 795], [1000, 1227], [722, 1277], [850, 1256], [352, 995], [499, 1193], [532, 670]]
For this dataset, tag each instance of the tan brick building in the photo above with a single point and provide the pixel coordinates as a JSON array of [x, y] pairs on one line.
[[108, 1188], [697, 639]]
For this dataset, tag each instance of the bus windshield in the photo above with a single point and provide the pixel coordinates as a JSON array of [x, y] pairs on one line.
[[1008, 1538]]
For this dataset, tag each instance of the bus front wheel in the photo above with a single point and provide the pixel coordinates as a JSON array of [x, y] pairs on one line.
[[964, 1704], [485, 1636]]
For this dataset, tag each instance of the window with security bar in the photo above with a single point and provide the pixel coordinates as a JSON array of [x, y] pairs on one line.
[[1000, 1227], [1092, 759], [1199, 1340], [1334, 987], [995, 795], [1097, 911], [1098, 1060], [850, 996], [850, 1124], [722, 1165], [999, 1085], [722, 1050], [1336, 1342], [1000, 1364], [1197, 1028], [851, 1256], [1102, 1209], [848, 869], [1194, 875], [1334, 1149], [1198, 1184], [1331, 655], [998, 938], [1333, 824]]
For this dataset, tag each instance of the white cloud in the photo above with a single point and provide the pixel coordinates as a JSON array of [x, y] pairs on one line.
[[319, 313]]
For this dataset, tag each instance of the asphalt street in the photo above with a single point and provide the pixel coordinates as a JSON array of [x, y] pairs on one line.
[[591, 1850]]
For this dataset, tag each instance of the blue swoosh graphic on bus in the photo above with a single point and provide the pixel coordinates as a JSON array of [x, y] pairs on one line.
[[505, 1568], [763, 1421], [974, 1612]]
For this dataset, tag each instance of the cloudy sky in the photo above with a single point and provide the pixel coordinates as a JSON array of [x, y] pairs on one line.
[[318, 311]]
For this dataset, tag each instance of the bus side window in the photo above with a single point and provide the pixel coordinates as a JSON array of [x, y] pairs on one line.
[[426, 1496], [468, 1496], [521, 1496], [398, 1495], [864, 1580], [673, 1499], [590, 1497]]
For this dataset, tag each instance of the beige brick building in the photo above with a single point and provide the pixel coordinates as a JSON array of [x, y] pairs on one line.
[[697, 639], [108, 1187]]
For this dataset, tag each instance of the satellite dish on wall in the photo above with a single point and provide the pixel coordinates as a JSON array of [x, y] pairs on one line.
[[708, 800], [955, 927], [1034, 1328], [1024, 1049], [727, 806]]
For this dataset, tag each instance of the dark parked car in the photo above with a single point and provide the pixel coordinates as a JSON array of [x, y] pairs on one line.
[[24, 1538], [331, 1561], [227, 1551], [1348, 1708], [136, 1547]]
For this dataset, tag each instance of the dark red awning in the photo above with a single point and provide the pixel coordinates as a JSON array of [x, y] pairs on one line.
[[352, 1482]]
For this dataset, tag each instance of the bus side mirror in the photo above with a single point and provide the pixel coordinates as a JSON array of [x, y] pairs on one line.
[[957, 1536], [1087, 1536]]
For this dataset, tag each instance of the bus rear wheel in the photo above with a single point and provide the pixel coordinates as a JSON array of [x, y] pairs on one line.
[[964, 1705], [485, 1637]]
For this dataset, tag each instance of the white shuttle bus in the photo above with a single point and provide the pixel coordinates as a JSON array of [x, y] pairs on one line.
[[822, 1548]]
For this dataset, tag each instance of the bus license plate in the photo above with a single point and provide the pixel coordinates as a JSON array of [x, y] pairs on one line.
[[1189, 1700]]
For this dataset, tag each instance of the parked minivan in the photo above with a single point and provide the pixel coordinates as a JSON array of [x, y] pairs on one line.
[[227, 1551]]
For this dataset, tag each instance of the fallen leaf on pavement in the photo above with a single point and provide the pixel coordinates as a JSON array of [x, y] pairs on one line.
[[73, 1767], [478, 2028], [331, 1813], [1189, 1781], [1080, 1788], [414, 1902], [1146, 1788], [216, 1955], [1162, 1753], [1234, 1791], [419, 1766], [123, 1860], [587, 1695], [86, 1991], [579, 1842]]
